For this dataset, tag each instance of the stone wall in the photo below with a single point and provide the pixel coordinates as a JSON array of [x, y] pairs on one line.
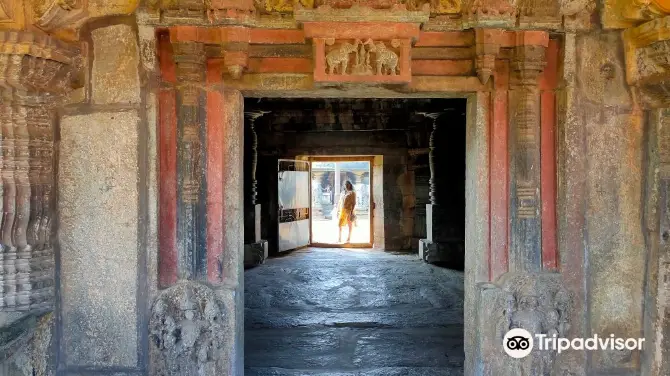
[[104, 175], [601, 180]]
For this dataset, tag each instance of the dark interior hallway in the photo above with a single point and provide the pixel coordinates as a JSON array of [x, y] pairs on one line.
[[345, 312]]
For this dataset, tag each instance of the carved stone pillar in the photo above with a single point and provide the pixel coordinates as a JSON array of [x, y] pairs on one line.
[[255, 249], [525, 240], [36, 72], [195, 317], [440, 245], [189, 58], [432, 155]]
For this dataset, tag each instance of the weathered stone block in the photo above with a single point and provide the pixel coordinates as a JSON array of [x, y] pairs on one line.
[[114, 75], [98, 196]]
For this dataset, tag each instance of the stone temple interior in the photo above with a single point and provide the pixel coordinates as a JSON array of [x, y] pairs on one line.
[[398, 130], [343, 311], [520, 178]]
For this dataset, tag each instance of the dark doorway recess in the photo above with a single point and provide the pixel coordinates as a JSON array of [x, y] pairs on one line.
[[398, 130]]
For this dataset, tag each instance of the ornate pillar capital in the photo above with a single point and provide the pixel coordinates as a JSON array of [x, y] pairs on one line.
[[529, 57], [190, 61]]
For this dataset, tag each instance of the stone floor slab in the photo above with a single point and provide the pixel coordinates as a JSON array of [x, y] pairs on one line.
[[345, 312]]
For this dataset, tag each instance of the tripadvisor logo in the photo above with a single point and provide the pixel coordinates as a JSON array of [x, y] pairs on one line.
[[518, 343]]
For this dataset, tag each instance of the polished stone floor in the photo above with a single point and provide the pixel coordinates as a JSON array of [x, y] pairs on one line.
[[346, 312]]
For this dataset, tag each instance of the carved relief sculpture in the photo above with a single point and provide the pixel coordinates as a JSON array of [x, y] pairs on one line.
[[189, 332], [538, 303], [358, 61], [387, 60], [488, 13], [338, 58]]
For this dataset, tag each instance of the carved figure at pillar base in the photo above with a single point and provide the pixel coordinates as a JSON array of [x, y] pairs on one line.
[[537, 303], [189, 332]]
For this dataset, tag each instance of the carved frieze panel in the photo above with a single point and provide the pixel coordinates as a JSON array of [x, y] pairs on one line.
[[283, 6], [539, 13], [201, 12], [359, 60], [365, 12], [287, 6], [489, 13]]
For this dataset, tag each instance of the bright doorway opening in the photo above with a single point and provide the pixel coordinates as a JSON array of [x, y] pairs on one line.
[[331, 223]]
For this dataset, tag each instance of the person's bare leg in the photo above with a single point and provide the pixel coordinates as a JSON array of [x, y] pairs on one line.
[[349, 236], [339, 236]]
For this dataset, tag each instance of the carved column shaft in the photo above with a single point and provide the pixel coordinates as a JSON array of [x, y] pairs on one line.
[[189, 58], [253, 150], [27, 179], [432, 157], [32, 80], [525, 241], [431, 161], [254, 162]]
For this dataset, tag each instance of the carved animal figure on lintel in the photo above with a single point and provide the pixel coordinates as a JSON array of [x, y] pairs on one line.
[[339, 57], [387, 60]]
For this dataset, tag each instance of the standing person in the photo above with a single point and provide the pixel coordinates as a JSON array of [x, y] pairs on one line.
[[346, 210]]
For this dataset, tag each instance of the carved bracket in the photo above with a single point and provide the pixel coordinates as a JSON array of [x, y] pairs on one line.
[[487, 47], [647, 49], [35, 62]]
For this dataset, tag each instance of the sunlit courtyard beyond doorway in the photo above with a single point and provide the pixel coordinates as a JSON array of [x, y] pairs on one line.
[[328, 188]]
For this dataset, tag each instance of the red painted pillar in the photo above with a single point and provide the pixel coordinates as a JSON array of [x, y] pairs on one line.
[[525, 164], [193, 147], [499, 192], [215, 167], [548, 83], [167, 165]]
